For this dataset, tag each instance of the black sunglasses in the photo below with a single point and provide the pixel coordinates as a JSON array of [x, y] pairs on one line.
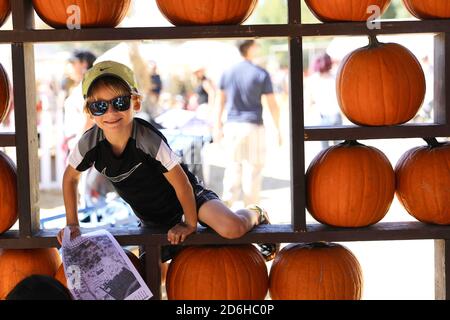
[[99, 108]]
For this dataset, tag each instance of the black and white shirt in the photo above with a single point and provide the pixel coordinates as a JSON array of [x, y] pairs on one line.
[[137, 174]]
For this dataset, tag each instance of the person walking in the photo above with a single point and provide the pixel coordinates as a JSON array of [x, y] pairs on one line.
[[321, 97], [241, 90]]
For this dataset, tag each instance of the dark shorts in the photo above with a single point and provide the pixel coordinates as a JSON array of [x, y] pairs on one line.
[[202, 195]]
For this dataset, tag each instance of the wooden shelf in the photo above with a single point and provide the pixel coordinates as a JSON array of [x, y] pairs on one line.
[[7, 139], [213, 32], [271, 233], [361, 133], [386, 27]]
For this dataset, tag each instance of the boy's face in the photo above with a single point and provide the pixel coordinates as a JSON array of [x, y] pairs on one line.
[[113, 120]]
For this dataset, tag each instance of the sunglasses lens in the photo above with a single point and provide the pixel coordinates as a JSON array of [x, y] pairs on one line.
[[121, 103], [98, 108]]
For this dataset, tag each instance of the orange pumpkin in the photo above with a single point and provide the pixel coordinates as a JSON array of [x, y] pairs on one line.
[[381, 84], [93, 13], [315, 271], [428, 9], [345, 10], [5, 10], [204, 12], [350, 185], [16, 265], [61, 276], [4, 93], [423, 182], [8, 193], [217, 273]]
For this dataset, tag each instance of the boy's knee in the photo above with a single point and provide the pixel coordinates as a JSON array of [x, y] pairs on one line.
[[233, 230]]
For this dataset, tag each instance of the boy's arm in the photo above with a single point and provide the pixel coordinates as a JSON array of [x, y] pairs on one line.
[[185, 194], [70, 187]]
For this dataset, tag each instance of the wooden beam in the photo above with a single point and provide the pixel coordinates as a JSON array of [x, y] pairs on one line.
[[7, 139], [294, 12], [298, 213], [387, 27], [153, 270], [442, 79], [266, 233], [360, 133], [23, 34], [26, 137], [442, 269], [23, 15]]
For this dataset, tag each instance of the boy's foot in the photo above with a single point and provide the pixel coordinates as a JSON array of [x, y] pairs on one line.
[[268, 250]]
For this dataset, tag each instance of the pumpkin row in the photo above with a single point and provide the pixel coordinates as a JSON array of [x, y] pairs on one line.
[[109, 13], [353, 185], [348, 185], [313, 271]]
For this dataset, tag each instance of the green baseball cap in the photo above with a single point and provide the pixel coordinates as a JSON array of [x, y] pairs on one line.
[[108, 68]]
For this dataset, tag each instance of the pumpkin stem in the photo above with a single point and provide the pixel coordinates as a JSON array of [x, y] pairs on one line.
[[373, 41], [351, 143], [432, 142], [321, 244]]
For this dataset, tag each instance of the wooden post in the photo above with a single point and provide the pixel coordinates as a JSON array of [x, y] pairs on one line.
[[153, 270], [296, 122], [442, 269], [442, 78], [25, 121]]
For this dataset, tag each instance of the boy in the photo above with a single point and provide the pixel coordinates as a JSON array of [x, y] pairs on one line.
[[145, 172]]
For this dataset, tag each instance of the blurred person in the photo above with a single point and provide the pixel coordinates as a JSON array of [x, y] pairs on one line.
[[79, 63], [202, 100], [156, 86], [321, 93], [425, 113], [155, 79], [76, 122], [203, 91], [241, 90]]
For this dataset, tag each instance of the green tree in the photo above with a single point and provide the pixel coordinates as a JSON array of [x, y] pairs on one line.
[[270, 12]]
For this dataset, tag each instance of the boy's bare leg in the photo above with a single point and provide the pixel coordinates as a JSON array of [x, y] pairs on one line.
[[225, 222]]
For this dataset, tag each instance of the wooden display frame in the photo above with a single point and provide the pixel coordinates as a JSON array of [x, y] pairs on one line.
[[23, 36]]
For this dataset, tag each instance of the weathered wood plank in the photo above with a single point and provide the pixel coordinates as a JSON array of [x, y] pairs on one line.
[[265, 233], [360, 133]]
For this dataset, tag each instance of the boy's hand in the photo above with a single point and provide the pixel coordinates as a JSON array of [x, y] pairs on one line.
[[74, 233], [180, 232]]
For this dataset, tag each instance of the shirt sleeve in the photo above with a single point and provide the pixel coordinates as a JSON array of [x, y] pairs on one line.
[[79, 162], [167, 157]]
